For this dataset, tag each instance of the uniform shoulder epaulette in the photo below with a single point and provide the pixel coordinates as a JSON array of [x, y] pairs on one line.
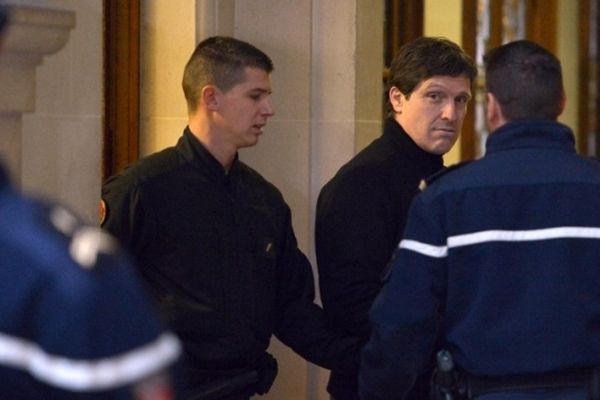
[[86, 242], [432, 178]]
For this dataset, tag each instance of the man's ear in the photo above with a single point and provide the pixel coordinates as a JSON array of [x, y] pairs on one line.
[[494, 114], [397, 99], [563, 102], [209, 96]]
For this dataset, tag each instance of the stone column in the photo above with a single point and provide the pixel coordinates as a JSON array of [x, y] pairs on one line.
[[33, 33]]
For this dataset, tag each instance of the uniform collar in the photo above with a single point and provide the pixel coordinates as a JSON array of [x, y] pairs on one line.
[[394, 133], [531, 133], [195, 153]]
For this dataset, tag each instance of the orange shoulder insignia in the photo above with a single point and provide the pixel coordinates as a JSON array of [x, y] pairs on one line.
[[102, 212]]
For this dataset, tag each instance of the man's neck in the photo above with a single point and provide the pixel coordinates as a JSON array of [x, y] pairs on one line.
[[212, 142]]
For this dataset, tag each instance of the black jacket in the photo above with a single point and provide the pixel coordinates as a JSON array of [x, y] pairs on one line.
[[361, 215], [220, 257]]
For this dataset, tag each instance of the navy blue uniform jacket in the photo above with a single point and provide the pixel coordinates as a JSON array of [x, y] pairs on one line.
[[506, 250], [75, 322]]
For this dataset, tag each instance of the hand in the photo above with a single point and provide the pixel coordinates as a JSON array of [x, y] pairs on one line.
[[267, 371]]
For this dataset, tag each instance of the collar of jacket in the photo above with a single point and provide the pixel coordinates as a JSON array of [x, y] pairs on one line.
[[394, 133], [531, 133], [196, 154]]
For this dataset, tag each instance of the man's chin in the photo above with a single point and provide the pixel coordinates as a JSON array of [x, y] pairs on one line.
[[249, 143], [444, 146], [441, 149]]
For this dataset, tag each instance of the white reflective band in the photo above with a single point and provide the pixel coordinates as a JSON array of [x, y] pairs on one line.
[[89, 375], [563, 232], [424, 248]]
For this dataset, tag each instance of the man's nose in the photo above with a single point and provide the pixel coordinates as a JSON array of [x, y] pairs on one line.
[[268, 109], [449, 111]]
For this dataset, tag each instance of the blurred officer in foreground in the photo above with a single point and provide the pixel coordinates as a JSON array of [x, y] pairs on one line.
[[506, 250], [361, 212], [74, 320], [214, 240]]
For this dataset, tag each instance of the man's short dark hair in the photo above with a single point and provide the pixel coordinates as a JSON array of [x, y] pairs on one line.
[[220, 61], [526, 79], [426, 57]]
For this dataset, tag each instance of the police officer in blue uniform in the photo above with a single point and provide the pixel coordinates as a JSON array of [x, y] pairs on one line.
[[500, 257], [75, 322]]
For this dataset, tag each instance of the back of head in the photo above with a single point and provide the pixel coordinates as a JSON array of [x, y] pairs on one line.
[[220, 61], [526, 80], [426, 57]]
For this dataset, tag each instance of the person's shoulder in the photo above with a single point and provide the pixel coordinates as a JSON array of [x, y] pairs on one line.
[[594, 160], [443, 176], [49, 248], [50, 236], [378, 157], [147, 168], [592, 164], [58, 271], [370, 169]]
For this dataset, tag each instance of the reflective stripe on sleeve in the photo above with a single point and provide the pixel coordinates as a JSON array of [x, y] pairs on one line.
[[561, 232], [468, 239], [424, 248], [89, 375]]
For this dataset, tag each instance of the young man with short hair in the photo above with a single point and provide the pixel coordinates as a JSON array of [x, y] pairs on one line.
[[213, 239]]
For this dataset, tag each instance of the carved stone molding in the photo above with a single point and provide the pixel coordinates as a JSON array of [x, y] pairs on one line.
[[33, 33]]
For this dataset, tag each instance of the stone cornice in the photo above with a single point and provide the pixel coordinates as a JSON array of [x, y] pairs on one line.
[[33, 33]]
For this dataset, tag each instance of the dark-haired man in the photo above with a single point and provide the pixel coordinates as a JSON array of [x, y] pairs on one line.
[[506, 250], [213, 239], [361, 212]]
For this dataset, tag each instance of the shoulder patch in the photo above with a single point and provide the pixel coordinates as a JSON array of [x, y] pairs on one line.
[[86, 242], [102, 212], [432, 178], [63, 221]]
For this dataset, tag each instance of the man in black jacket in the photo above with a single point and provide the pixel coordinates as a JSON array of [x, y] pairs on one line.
[[213, 239], [362, 211]]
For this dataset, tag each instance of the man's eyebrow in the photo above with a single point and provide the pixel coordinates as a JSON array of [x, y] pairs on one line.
[[261, 90], [435, 86], [439, 86]]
